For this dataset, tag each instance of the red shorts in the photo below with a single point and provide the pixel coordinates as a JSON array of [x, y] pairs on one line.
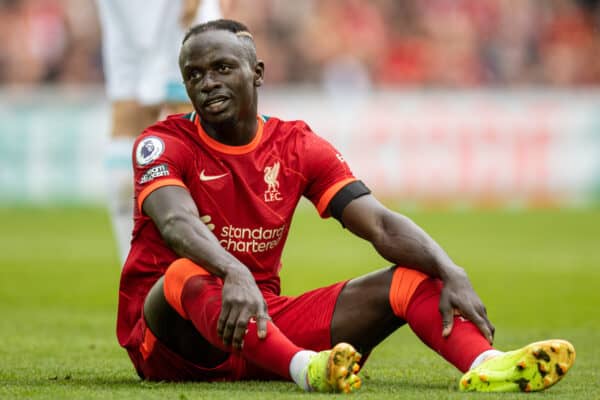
[[305, 320]]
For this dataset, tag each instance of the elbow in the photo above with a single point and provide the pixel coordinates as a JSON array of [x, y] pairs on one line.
[[383, 233], [391, 237]]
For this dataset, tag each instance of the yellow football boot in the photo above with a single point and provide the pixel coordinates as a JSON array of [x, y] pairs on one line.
[[532, 368], [335, 370]]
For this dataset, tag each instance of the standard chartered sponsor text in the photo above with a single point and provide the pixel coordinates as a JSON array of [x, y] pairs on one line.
[[254, 240]]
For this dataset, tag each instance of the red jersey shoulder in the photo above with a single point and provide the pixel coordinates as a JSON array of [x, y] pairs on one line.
[[152, 142], [178, 125], [303, 138], [295, 132], [323, 167], [283, 127]]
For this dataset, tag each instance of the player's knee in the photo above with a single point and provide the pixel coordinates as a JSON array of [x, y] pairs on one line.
[[177, 276], [404, 283], [154, 299]]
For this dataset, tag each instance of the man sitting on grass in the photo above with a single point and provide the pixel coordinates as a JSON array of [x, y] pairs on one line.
[[215, 193]]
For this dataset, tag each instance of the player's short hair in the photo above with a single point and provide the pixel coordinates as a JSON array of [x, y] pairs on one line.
[[235, 27]]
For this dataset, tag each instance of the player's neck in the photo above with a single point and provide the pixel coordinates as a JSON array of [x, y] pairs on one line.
[[233, 132]]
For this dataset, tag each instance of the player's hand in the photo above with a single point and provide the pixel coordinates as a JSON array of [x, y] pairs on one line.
[[241, 301], [188, 12], [459, 298]]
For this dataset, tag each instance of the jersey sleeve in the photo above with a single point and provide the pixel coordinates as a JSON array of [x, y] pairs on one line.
[[326, 170], [158, 160]]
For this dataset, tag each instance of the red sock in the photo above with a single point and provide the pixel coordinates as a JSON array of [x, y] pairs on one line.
[[201, 301], [415, 298], [465, 342]]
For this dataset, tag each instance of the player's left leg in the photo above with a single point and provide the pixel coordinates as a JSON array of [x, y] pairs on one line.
[[380, 302], [371, 307]]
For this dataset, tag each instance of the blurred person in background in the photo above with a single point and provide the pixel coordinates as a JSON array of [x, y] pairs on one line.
[[141, 40]]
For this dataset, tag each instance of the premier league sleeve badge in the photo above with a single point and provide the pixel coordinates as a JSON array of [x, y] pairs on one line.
[[148, 150]]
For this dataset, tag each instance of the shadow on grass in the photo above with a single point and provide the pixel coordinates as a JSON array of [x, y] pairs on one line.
[[99, 383]]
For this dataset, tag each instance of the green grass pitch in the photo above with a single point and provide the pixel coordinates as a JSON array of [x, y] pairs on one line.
[[538, 272]]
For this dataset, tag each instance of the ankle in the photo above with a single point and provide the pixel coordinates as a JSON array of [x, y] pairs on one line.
[[485, 356], [299, 368]]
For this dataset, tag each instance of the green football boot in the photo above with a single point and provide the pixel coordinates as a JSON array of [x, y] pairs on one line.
[[335, 370], [532, 368]]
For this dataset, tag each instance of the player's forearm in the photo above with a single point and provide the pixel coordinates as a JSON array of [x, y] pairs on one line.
[[190, 238], [403, 242]]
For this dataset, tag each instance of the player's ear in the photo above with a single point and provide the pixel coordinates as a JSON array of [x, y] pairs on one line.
[[259, 73]]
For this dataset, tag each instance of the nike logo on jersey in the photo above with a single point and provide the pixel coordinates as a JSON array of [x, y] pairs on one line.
[[205, 178]]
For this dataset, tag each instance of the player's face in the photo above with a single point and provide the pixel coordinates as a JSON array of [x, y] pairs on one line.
[[219, 77]]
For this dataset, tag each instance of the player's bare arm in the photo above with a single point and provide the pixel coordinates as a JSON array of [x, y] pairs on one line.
[[400, 241], [176, 216]]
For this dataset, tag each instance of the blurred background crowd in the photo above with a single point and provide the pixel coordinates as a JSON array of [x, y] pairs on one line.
[[448, 43]]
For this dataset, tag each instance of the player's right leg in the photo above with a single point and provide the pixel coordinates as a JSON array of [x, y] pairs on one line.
[[182, 311]]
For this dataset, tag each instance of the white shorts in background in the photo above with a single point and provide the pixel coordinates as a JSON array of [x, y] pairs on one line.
[[140, 42]]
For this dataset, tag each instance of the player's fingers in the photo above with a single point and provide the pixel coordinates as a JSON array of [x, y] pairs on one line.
[[482, 323], [490, 327], [447, 312], [223, 317], [261, 325], [480, 319], [447, 324], [485, 330], [239, 329], [228, 324], [230, 327], [206, 220], [486, 321]]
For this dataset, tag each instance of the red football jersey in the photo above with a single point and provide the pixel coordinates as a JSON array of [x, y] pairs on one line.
[[250, 192]]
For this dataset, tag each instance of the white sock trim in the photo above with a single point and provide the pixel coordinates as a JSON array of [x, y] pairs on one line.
[[299, 368], [484, 356]]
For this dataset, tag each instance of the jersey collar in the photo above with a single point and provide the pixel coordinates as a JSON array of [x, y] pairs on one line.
[[224, 148]]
